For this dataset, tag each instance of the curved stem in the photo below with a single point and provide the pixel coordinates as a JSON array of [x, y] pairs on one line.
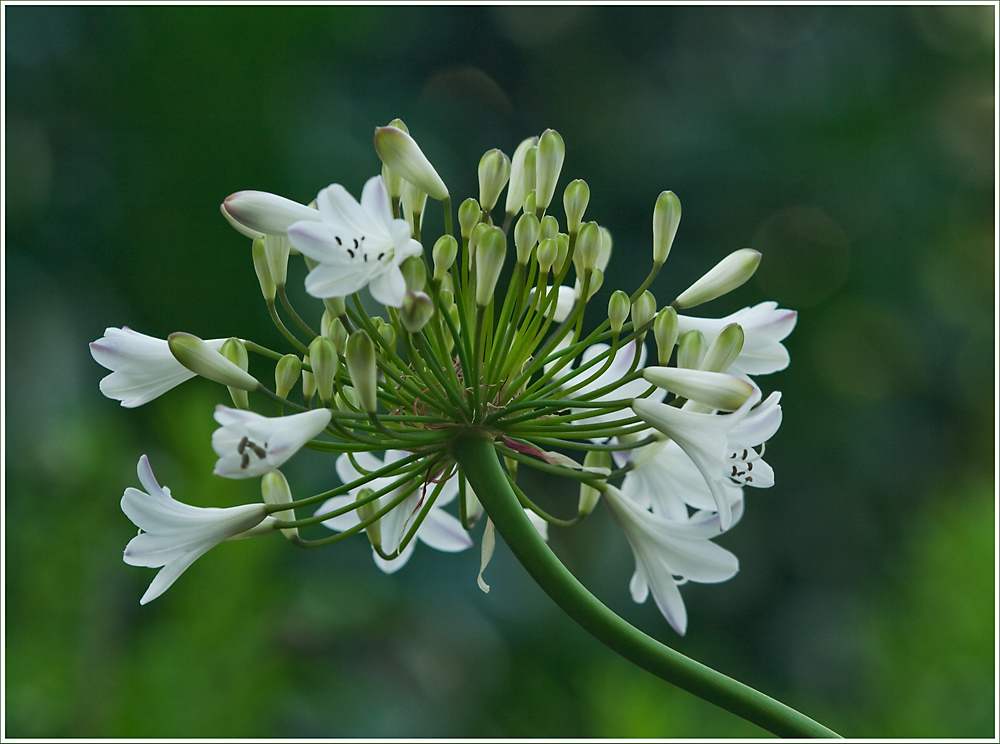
[[475, 454]]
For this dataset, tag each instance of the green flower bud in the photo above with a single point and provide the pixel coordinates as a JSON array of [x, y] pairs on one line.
[[398, 150], [337, 334], [398, 123], [588, 247], [444, 253], [275, 491], [477, 233], [525, 237], [529, 203], [548, 164], [691, 350], [286, 374], [606, 244], [276, 249], [562, 241], [367, 511], [346, 400], [494, 172], [469, 214], [665, 333], [724, 277], [547, 254], [335, 306], [447, 283], [388, 334], [416, 311], [575, 200], [308, 382], [548, 228], [449, 339], [643, 310], [260, 266], [235, 351], [596, 282], [414, 201], [324, 366], [589, 496], [447, 298], [414, 273], [724, 349], [713, 389], [392, 181], [360, 360], [519, 188], [490, 254], [618, 310], [666, 218], [203, 360]]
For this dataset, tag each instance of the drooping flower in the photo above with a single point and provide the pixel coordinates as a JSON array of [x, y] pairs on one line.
[[721, 446], [249, 445], [356, 245], [440, 530], [174, 535], [669, 552], [142, 367], [764, 325]]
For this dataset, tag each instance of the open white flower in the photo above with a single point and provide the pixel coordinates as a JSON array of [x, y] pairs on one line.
[[440, 530], [765, 326], [174, 535], [356, 245], [142, 367], [249, 445], [669, 552], [721, 446]]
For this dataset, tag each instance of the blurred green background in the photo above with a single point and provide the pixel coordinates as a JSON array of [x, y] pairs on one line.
[[853, 146]]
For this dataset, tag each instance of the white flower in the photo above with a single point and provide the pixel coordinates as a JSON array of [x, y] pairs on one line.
[[142, 367], [611, 376], [721, 446], [669, 552], [249, 445], [764, 325], [356, 245], [258, 212], [440, 530], [175, 535]]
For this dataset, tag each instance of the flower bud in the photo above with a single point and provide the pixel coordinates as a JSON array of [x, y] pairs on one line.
[[203, 360], [494, 172], [713, 389], [548, 164], [414, 273], [391, 180], [346, 400], [308, 381], [529, 203], [324, 362], [360, 358], [276, 249], [260, 266], [724, 349], [618, 310], [724, 277], [335, 306], [286, 374], [665, 332], [490, 254], [477, 233], [588, 248], [413, 206], [400, 153], [666, 218], [367, 511], [236, 352], [643, 310], [606, 244], [447, 298], [548, 227], [691, 350], [596, 281], [589, 496], [519, 187], [241, 229], [525, 237], [266, 213], [547, 254], [562, 242], [275, 491], [416, 311], [444, 253], [575, 200], [468, 217], [388, 335], [337, 334]]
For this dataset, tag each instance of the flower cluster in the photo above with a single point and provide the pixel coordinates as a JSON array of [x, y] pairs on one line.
[[668, 444]]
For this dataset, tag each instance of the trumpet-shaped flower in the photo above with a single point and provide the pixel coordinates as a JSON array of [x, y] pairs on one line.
[[142, 367], [440, 530], [259, 213], [249, 445], [174, 535], [669, 552], [721, 446], [356, 245], [765, 326]]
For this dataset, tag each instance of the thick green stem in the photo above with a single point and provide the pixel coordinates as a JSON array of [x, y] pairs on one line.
[[474, 452]]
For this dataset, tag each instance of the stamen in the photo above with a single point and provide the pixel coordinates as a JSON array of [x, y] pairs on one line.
[[245, 463], [337, 238], [242, 445], [257, 450]]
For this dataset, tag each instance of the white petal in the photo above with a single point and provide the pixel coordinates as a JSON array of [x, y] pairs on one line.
[[342, 522], [397, 563], [441, 531], [375, 200], [389, 288]]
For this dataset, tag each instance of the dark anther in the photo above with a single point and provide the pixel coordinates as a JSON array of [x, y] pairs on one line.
[[246, 461], [257, 450], [734, 471], [242, 445], [745, 453], [351, 252], [355, 242], [749, 466], [380, 256], [337, 238]]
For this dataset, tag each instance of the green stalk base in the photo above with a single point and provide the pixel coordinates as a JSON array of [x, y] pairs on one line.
[[474, 452]]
